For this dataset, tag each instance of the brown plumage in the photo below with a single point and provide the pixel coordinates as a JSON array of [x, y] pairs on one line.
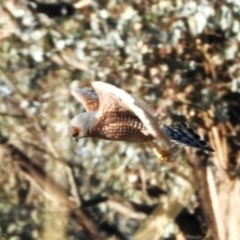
[[114, 114]]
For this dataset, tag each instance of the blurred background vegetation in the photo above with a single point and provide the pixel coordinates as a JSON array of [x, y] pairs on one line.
[[182, 57]]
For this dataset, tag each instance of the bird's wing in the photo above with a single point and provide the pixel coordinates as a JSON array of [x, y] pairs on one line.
[[114, 99], [89, 99]]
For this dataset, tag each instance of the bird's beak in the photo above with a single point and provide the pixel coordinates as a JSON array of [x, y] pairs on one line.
[[74, 133], [75, 138]]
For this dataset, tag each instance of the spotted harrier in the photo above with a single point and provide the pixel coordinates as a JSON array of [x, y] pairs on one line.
[[113, 114]]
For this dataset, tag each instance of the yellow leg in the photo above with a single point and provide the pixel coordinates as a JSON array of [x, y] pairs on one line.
[[161, 154]]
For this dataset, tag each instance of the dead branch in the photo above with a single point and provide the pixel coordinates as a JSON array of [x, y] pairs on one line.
[[49, 188]]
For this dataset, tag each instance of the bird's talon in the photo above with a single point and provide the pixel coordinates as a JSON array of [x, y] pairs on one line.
[[162, 155]]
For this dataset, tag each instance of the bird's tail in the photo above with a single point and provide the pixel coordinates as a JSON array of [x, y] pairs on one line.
[[183, 134]]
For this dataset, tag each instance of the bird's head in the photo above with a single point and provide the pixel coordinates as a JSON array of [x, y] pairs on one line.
[[80, 125]]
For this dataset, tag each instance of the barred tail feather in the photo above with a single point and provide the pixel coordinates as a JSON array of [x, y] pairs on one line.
[[183, 134]]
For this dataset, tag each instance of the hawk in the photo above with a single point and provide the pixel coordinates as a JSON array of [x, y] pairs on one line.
[[113, 114]]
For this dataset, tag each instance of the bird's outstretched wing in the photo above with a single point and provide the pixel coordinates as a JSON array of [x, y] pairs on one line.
[[113, 99], [89, 99]]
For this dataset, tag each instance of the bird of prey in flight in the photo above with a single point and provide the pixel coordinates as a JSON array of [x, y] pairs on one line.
[[113, 114]]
